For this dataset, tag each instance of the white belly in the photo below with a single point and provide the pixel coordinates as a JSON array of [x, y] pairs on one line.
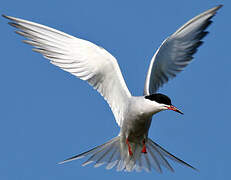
[[136, 128]]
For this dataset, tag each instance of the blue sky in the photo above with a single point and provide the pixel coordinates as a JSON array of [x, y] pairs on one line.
[[48, 115]]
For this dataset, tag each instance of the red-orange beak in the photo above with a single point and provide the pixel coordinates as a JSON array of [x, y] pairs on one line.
[[174, 109]]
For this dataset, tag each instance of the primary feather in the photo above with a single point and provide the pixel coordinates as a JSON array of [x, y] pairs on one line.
[[176, 52], [131, 149], [81, 58]]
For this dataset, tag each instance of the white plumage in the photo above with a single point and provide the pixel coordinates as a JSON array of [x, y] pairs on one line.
[[176, 51], [131, 149]]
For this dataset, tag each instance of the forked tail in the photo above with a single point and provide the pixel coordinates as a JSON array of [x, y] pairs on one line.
[[114, 153]]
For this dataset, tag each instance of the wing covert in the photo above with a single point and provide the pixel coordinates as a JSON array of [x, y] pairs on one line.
[[81, 58], [176, 52]]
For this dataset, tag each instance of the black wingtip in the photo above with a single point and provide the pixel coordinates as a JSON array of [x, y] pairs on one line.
[[3, 15], [220, 6], [215, 9], [13, 24], [7, 17]]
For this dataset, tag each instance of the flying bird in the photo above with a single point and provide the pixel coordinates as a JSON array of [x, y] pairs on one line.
[[132, 149]]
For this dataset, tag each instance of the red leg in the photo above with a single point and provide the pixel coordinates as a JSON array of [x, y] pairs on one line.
[[129, 147], [144, 147]]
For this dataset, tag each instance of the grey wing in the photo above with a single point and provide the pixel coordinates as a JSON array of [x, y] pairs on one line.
[[81, 58], [176, 52]]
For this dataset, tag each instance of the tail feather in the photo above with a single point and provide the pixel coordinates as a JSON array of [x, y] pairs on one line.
[[159, 157], [147, 162], [155, 162], [89, 152], [101, 155], [170, 156], [103, 158], [114, 153], [139, 163], [112, 161]]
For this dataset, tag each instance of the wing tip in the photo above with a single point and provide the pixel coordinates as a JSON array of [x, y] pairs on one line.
[[3, 15], [218, 7], [13, 22], [214, 10], [8, 17]]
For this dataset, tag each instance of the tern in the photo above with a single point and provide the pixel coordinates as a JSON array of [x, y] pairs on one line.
[[131, 149]]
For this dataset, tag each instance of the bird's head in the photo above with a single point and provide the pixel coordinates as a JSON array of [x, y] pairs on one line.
[[162, 102]]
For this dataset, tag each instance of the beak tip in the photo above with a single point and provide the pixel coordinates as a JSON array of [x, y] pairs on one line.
[[175, 109]]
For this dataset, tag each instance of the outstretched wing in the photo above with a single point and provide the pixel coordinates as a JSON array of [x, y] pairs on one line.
[[81, 58], [177, 51]]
